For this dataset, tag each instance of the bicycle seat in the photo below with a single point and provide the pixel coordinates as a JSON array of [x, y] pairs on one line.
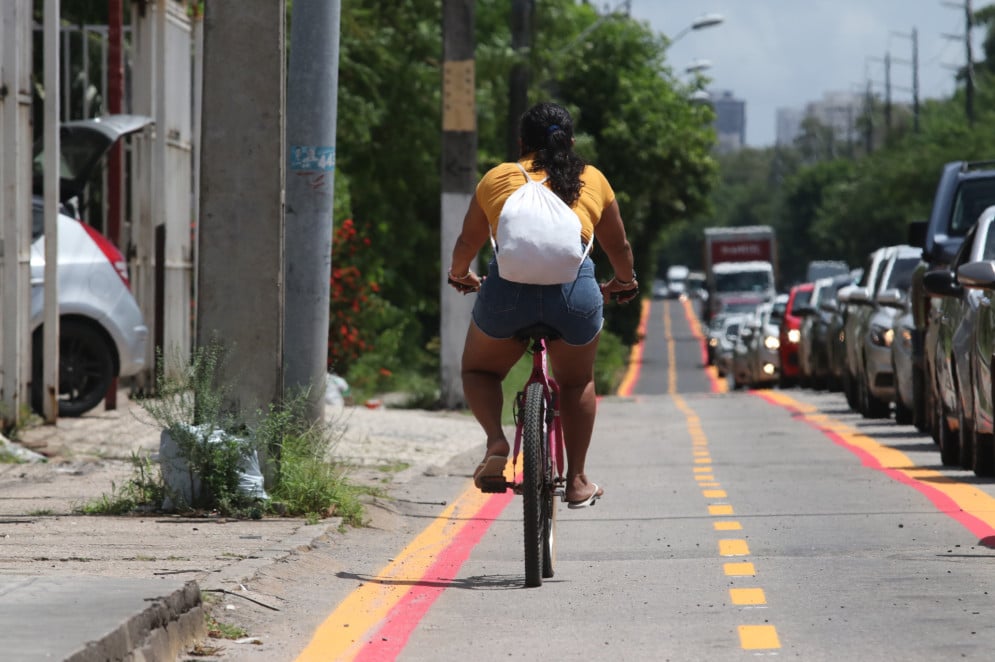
[[537, 331]]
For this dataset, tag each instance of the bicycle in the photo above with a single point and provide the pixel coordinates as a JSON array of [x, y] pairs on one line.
[[539, 439]]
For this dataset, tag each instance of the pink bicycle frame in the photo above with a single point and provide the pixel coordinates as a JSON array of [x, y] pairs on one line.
[[551, 393]]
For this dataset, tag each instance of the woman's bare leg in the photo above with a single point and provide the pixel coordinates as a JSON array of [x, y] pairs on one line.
[[573, 368], [486, 362]]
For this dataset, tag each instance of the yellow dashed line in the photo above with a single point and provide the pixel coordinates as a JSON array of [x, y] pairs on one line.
[[703, 460], [701, 469], [747, 596], [714, 494], [733, 548], [701, 477], [743, 569], [758, 637], [720, 509]]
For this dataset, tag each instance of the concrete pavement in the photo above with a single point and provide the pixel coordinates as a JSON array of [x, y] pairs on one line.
[[78, 587]]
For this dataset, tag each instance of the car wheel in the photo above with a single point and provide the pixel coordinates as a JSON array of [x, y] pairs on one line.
[[86, 368], [919, 405], [984, 454], [903, 414], [949, 442], [850, 390], [965, 435]]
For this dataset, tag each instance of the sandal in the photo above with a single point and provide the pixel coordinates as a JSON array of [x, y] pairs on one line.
[[489, 474], [588, 501]]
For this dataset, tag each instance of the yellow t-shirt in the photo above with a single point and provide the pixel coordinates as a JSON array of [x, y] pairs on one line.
[[502, 180]]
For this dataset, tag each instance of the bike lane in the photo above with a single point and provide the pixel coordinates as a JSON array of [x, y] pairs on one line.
[[378, 619]]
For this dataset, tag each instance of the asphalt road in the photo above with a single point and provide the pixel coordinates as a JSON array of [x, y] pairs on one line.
[[734, 524]]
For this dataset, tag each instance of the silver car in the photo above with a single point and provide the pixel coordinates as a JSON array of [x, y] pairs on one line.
[[102, 333]]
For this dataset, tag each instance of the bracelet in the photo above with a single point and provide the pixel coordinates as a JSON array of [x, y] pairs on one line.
[[625, 282], [450, 274]]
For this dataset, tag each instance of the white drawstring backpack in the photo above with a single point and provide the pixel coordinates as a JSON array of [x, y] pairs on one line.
[[538, 239]]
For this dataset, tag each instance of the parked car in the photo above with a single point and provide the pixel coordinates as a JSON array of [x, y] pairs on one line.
[[964, 351], [790, 336], [875, 375], [902, 328], [102, 333], [757, 361], [857, 311], [727, 337], [964, 190], [814, 345]]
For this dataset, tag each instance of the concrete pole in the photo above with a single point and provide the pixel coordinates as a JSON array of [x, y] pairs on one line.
[[115, 94], [312, 103], [50, 364], [522, 13], [15, 207], [241, 241], [459, 175]]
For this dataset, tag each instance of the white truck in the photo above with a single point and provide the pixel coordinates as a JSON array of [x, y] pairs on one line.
[[740, 266]]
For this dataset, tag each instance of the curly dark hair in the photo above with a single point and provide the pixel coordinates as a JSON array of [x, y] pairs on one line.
[[547, 130]]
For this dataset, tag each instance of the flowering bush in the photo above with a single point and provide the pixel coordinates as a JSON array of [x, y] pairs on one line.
[[350, 333]]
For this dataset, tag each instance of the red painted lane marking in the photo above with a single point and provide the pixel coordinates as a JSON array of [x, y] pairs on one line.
[[943, 502], [387, 642]]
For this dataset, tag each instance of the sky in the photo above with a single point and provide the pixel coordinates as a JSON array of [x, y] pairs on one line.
[[786, 53]]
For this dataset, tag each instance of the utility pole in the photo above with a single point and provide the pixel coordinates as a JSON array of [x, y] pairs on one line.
[[312, 104], [15, 209], [522, 13], [915, 79], [868, 120], [241, 236], [887, 96], [458, 179]]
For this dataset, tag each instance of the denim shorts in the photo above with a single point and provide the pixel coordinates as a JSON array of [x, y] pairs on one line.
[[574, 309]]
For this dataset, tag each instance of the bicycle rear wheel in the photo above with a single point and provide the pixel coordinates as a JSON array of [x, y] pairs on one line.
[[537, 496]]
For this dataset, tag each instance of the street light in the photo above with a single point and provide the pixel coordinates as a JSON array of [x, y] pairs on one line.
[[704, 21], [697, 66]]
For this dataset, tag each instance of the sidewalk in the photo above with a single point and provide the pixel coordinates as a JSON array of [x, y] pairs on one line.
[[77, 587]]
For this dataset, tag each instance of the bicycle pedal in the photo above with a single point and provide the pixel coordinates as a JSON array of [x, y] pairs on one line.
[[493, 487]]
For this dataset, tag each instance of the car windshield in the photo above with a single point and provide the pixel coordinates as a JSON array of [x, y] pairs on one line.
[[802, 297], [740, 307], [901, 273], [973, 197], [743, 281]]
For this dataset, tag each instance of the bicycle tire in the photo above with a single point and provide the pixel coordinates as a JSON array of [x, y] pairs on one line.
[[533, 488]]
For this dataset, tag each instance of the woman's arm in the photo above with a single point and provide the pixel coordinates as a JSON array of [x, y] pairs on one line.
[[611, 235], [475, 232]]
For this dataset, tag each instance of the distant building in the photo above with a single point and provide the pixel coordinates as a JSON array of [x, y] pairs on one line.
[[837, 110], [730, 120], [789, 125]]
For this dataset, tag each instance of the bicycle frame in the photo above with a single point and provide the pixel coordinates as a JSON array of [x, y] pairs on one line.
[[551, 392]]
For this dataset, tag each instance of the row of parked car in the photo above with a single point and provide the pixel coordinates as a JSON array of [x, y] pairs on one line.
[[911, 334]]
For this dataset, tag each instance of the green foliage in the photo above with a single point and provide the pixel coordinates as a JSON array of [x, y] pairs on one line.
[[306, 481], [143, 488]]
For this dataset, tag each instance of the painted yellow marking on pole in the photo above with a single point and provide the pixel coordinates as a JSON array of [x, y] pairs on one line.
[[733, 547], [720, 509], [728, 526], [758, 637], [744, 569], [346, 628], [747, 596], [714, 494]]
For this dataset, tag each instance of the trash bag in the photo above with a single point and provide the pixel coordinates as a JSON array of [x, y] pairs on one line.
[[183, 485]]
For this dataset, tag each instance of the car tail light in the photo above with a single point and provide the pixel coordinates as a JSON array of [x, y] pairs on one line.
[[111, 252]]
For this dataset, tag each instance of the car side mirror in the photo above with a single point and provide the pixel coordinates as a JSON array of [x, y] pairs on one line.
[[893, 297], [859, 295], [977, 275], [942, 283]]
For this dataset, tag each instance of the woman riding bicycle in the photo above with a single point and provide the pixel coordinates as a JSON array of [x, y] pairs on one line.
[[573, 310]]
